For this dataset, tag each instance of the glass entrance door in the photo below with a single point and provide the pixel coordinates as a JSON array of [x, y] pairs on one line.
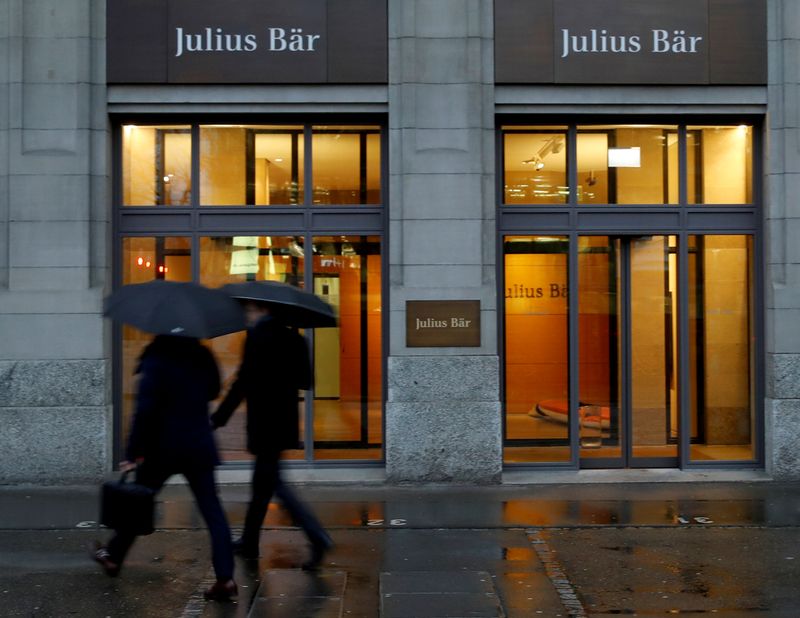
[[627, 322]]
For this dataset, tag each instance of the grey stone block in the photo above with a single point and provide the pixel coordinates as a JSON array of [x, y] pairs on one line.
[[51, 336], [442, 196], [54, 445], [437, 441], [785, 422], [442, 242], [442, 151], [436, 378], [57, 60], [51, 278], [49, 243], [444, 61], [39, 111], [445, 18], [49, 198], [43, 151], [785, 331], [54, 383], [442, 276], [448, 106], [57, 18], [785, 375]]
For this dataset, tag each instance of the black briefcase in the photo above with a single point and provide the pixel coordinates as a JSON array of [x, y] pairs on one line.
[[127, 507]]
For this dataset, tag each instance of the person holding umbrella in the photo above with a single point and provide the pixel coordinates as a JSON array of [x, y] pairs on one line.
[[170, 433], [275, 366]]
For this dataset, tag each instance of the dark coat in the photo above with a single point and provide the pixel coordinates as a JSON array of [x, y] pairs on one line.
[[171, 428], [275, 366]]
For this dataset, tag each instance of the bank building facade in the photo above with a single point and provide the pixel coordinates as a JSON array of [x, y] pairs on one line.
[[557, 234]]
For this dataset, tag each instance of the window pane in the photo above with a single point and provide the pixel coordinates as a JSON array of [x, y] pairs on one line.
[[720, 164], [348, 370], [627, 165], [145, 259], [156, 166], [227, 259], [721, 350], [653, 343], [536, 406], [599, 347], [346, 164], [251, 165], [535, 167]]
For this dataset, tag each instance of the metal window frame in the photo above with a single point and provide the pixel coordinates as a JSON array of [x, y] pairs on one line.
[[681, 220], [306, 220]]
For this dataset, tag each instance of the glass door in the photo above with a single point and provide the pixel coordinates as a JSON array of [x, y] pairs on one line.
[[627, 332]]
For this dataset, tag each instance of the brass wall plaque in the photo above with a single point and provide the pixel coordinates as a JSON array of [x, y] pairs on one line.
[[443, 323]]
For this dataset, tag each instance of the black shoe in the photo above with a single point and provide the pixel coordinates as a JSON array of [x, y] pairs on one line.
[[245, 550], [318, 551], [99, 553], [222, 591]]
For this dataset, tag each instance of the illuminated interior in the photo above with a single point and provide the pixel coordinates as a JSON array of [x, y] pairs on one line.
[[628, 344], [256, 165], [241, 166], [627, 164], [721, 357]]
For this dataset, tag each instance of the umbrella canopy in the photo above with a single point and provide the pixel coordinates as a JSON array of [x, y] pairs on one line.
[[172, 308], [290, 304]]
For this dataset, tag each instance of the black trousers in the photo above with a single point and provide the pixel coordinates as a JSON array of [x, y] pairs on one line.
[[204, 489], [267, 482]]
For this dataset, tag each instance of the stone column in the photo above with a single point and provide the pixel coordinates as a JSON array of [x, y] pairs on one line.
[[54, 391], [782, 226], [443, 418]]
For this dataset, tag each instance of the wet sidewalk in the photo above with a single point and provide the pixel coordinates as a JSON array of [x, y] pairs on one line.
[[576, 549]]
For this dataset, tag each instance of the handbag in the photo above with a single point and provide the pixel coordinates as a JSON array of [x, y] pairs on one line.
[[127, 506]]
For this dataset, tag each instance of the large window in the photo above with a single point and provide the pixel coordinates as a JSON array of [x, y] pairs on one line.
[[627, 164], [629, 287], [254, 202]]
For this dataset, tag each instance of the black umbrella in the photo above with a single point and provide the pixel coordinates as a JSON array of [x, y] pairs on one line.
[[290, 304], [172, 308]]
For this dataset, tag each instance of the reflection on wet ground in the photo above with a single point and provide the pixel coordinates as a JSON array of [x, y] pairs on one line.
[[650, 550]]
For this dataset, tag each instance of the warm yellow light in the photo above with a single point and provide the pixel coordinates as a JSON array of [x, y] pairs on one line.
[[140, 261]]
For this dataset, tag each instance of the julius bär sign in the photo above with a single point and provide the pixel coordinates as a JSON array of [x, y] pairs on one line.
[[631, 42], [246, 41], [443, 323]]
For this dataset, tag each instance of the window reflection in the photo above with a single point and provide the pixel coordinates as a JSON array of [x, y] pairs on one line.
[[156, 165], [536, 400], [346, 164]]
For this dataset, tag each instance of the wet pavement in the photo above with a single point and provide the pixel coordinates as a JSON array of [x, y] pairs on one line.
[[646, 549]]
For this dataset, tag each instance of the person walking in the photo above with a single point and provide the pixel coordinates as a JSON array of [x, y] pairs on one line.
[[275, 366], [171, 434]]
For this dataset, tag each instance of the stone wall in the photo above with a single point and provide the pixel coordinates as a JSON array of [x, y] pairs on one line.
[[54, 221], [782, 227], [443, 409]]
